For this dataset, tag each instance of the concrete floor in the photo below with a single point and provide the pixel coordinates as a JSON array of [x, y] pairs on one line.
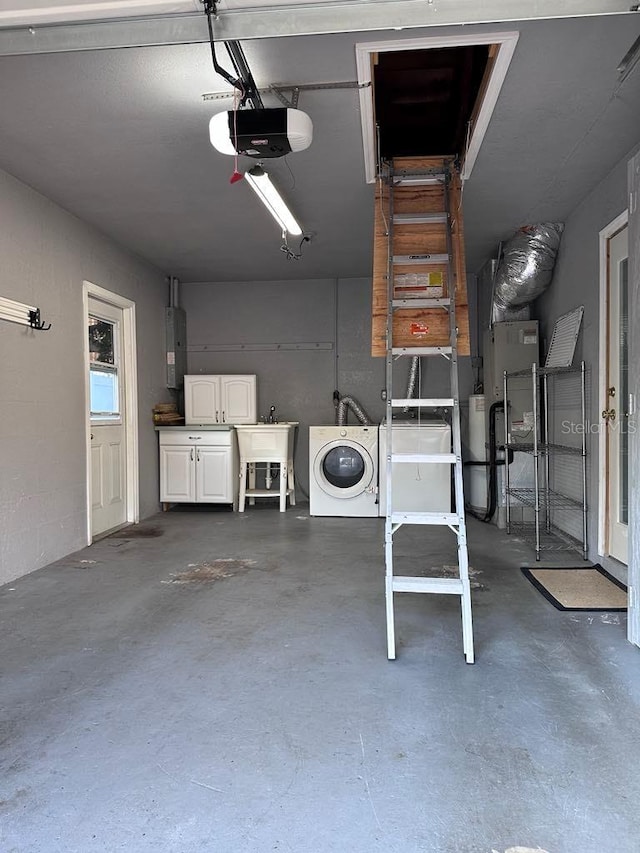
[[258, 712]]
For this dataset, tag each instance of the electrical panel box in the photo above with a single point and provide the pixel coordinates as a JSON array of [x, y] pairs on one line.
[[176, 338], [512, 346]]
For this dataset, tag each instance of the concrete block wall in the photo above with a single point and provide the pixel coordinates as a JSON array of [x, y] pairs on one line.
[[46, 255], [334, 314]]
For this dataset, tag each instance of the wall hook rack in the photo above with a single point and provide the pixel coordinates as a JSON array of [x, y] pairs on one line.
[[36, 323], [24, 315]]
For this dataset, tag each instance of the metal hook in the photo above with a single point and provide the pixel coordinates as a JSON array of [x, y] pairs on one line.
[[36, 323]]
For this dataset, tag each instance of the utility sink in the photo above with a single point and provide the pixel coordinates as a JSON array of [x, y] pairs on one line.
[[266, 443], [274, 440]]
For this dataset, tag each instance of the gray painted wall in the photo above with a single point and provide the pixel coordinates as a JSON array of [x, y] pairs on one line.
[[576, 282], [46, 254], [299, 383]]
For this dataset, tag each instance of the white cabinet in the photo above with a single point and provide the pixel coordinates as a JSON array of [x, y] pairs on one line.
[[220, 399], [213, 481], [177, 474], [238, 399], [198, 466], [202, 404]]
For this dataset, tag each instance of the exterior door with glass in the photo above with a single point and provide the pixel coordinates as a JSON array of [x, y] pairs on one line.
[[107, 417], [616, 415]]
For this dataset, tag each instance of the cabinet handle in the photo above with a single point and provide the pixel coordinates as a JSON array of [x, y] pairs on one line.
[[195, 437], [198, 454], [191, 454], [217, 421], [223, 421]]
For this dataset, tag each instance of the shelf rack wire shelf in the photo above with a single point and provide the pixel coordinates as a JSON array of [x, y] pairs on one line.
[[544, 498]]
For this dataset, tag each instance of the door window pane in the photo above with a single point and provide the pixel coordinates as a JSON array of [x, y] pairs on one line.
[[104, 391], [103, 386], [101, 341], [624, 392]]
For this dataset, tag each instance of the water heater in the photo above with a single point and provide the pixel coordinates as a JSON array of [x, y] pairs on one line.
[[476, 475]]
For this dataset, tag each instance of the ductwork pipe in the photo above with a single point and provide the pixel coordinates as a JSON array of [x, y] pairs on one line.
[[525, 271], [347, 403], [412, 381], [174, 292]]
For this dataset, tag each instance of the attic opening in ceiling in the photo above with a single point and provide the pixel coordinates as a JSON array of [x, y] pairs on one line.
[[425, 99], [431, 96]]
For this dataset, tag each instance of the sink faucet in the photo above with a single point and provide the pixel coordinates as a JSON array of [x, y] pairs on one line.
[[272, 415]]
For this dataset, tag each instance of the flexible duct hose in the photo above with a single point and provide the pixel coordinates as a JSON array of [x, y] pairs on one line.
[[347, 403], [412, 381]]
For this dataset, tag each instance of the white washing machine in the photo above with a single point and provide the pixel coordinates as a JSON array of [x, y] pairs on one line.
[[343, 471], [423, 486]]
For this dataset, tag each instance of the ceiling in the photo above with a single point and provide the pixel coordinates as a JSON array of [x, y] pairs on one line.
[[120, 138]]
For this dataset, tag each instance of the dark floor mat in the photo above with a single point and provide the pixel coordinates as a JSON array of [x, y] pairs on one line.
[[578, 587]]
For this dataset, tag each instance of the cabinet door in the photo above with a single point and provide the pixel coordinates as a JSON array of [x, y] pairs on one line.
[[177, 474], [239, 404], [213, 475], [202, 400]]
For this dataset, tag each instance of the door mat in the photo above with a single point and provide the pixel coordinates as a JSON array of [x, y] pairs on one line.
[[578, 587]]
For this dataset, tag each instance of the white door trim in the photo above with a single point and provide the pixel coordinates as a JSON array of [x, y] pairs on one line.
[[603, 359], [130, 368], [364, 51]]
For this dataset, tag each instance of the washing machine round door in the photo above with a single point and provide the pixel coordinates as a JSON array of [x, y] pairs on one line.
[[344, 469]]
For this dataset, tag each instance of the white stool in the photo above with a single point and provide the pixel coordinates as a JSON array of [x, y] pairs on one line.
[[266, 444]]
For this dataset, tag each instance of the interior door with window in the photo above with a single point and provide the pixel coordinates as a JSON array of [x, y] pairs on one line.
[[616, 415], [107, 416]]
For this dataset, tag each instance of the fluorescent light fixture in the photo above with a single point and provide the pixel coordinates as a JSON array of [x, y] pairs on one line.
[[261, 184]]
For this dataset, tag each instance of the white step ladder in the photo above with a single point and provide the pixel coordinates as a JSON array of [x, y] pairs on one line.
[[455, 520]]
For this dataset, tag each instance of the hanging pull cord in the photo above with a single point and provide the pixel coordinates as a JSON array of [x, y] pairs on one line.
[[210, 10]]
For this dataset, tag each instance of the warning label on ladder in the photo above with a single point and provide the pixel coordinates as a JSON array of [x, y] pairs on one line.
[[418, 330]]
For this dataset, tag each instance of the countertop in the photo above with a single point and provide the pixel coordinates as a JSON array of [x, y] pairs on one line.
[[192, 427]]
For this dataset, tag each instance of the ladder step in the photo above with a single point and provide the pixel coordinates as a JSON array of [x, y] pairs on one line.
[[435, 458], [417, 260], [419, 218], [436, 518], [418, 402], [435, 302], [445, 586], [422, 350], [419, 180]]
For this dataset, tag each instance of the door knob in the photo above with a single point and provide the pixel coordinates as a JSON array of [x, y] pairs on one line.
[[611, 392], [609, 414]]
